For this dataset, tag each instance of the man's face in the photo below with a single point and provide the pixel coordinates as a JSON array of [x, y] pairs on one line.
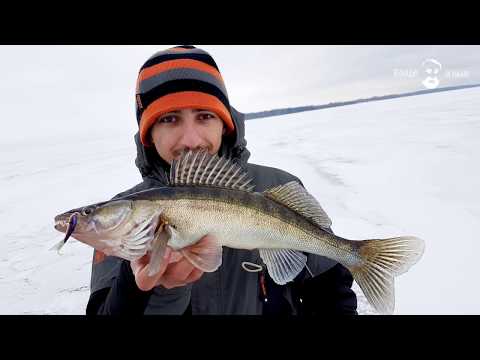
[[186, 129]]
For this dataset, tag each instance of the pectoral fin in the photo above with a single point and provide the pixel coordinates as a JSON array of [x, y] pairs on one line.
[[205, 254], [158, 250]]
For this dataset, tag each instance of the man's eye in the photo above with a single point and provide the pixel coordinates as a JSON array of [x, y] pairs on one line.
[[167, 119], [206, 116]]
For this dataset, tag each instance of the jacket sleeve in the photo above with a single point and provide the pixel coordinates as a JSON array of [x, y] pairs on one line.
[[329, 293], [122, 298]]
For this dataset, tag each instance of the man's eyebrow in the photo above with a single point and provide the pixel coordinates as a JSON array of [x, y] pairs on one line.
[[179, 111]]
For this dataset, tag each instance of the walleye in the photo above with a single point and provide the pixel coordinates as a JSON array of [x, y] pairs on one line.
[[208, 194]]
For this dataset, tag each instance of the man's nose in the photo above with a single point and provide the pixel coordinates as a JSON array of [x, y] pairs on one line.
[[191, 137]]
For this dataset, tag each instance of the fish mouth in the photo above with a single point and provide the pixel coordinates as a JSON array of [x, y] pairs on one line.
[[61, 222], [66, 223]]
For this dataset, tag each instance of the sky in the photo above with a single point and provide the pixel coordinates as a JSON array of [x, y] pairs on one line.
[[47, 91]]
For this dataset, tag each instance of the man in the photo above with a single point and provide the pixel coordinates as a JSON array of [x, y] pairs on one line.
[[182, 104]]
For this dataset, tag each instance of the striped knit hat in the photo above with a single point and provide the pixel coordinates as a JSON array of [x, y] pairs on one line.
[[178, 78]]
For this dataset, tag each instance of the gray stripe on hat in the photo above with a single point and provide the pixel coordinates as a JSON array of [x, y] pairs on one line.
[[181, 74], [186, 51]]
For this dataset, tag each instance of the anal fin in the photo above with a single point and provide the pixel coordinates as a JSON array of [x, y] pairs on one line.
[[283, 265]]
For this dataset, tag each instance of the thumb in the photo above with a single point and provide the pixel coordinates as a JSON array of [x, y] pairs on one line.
[[140, 263], [146, 282]]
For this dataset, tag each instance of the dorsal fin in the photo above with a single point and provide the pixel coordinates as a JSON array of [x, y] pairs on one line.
[[201, 168], [294, 195]]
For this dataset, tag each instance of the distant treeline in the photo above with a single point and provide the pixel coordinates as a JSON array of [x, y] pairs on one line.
[[284, 111]]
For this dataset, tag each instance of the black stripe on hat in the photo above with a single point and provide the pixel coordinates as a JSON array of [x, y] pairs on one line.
[[179, 86], [184, 47], [207, 59]]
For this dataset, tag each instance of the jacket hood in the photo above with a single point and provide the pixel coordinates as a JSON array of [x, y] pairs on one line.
[[233, 146]]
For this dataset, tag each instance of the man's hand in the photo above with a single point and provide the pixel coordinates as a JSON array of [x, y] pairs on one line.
[[175, 270]]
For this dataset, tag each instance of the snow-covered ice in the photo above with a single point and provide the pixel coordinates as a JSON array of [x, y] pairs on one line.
[[406, 166]]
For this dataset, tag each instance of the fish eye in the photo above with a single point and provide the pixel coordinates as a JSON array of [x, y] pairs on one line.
[[86, 211]]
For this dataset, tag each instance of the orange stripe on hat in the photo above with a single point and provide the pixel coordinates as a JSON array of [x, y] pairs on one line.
[[178, 101], [175, 64]]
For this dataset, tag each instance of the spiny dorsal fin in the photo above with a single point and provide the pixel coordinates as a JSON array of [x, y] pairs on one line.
[[294, 195], [201, 168]]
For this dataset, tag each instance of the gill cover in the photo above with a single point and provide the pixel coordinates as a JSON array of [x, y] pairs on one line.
[[109, 216]]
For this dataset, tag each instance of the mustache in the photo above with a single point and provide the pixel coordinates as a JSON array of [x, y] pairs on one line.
[[179, 152]]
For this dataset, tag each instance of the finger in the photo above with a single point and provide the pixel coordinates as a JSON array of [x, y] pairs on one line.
[[146, 282], [194, 276], [172, 283], [138, 264], [179, 271], [144, 260]]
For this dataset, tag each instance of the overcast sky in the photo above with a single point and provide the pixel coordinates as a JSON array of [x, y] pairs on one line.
[[48, 90]]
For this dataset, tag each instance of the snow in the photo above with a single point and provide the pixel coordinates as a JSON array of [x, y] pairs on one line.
[[381, 169]]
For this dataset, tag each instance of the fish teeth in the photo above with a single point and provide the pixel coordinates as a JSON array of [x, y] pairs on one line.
[[61, 222]]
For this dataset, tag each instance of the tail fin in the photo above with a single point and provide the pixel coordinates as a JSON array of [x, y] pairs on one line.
[[382, 260]]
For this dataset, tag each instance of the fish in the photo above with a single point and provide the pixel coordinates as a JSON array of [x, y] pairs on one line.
[[211, 194]]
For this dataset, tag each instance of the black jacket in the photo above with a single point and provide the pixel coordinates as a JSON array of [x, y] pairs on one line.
[[230, 289]]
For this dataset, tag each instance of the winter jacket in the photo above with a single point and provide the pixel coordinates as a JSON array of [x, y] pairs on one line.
[[230, 289]]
